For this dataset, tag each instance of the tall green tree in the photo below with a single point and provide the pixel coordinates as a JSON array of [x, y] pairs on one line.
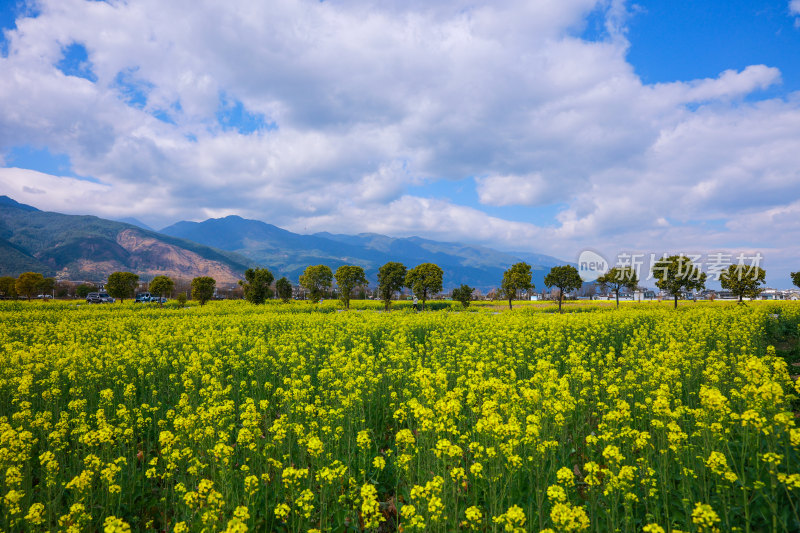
[[8, 287], [424, 280], [122, 285], [47, 286], [516, 278], [162, 286], [566, 278], [618, 278], [743, 281], [391, 279], [28, 283], [284, 288], [463, 294], [676, 274], [796, 278], [256, 285], [348, 277], [203, 289], [315, 279]]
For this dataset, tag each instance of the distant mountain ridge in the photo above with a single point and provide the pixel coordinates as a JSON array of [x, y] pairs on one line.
[[90, 248], [5, 201], [287, 253], [134, 222]]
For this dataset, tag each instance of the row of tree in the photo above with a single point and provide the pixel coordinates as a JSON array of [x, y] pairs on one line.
[[123, 285], [426, 279], [27, 285], [674, 275], [423, 280], [677, 274], [120, 285]]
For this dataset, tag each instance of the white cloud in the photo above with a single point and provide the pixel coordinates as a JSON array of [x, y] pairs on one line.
[[729, 84], [437, 219], [370, 98], [531, 189], [794, 9]]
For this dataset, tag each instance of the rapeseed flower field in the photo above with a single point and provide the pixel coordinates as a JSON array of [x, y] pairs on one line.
[[232, 417]]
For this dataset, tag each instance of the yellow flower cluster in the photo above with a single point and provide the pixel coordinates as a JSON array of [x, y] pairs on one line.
[[233, 417]]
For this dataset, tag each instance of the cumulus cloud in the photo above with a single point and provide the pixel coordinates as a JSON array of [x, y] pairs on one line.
[[532, 189], [435, 218], [349, 104], [729, 84], [50, 192], [794, 9]]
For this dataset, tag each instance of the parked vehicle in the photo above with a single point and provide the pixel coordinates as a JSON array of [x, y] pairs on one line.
[[146, 297], [99, 298]]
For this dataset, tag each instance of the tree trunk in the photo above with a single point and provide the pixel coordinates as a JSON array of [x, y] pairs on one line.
[[509, 303], [617, 293], [676, 301], [560, 297]]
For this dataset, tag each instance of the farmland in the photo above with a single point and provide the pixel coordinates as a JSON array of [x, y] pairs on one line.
[[300, 418]]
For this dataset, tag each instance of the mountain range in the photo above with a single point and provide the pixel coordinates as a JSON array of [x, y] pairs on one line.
[[88, 247], [287, 253]]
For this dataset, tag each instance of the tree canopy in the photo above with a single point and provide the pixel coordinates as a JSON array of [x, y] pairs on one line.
[[122, 285], [743, 281], [28, 283], [203, 289], [162, 286], [391, 279], [8, 287], [796, 278], [676, 274], [349, 277], [463, 294], [618, 278], [566, 278], [315, 279], [256, 285], [516, 278], [284, 288], [424, 280], [47, 285]]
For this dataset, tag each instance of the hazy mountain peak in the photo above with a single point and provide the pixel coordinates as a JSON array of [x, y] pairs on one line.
[[6, 201], [134, 222], [288, 253]]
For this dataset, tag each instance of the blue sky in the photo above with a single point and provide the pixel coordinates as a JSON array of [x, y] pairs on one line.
[[689, 39], [553, 127]]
